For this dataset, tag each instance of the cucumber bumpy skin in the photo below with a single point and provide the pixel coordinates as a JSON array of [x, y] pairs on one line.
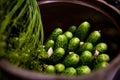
[[86, 58], [68, 34], [61, 41], [85, 46], [83, 70], [82, 30], [73, 44], [70, 71], [72, 29], [103, 57], [101, 65], [49, 43], [57, 55], [71, 60], [94, 37], [101, 47], [59, 68], [50, 69], [55, 34]]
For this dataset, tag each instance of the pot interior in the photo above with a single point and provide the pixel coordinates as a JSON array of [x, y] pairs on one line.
[[62, 14]]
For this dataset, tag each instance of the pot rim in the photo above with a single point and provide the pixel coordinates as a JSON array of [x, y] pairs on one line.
[[111, 6], [32, 75]]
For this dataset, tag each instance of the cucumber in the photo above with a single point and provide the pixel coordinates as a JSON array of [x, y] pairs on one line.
[[61, 41], [72, 29], [94, 37], [68, 34], [82, 30], [71, 60], [50, 69], [55, 33], [103, 57], [83, 70], [57, 55], [70, 71], [101, 47], [101, 65], [86, 58], [73, 44], [85, 46], [49, 43], [59, 68]]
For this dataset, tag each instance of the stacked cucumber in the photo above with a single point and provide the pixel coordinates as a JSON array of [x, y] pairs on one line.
[[76, 51]]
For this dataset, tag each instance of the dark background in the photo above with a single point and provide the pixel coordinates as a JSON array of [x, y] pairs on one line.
[[115, 3]]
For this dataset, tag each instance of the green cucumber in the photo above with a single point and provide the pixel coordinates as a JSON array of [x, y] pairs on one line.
[[72, 29], [57, 55], [50, 69], [68, 34], [73, 44], [71, 60], [86, 58], [61, 41], [94, 37], [83, 70], [55, 33], [103, 57], [59, 68], [70, 71], [101, 65], [49, 43], [85, 46], [101, 47], [82, 30]]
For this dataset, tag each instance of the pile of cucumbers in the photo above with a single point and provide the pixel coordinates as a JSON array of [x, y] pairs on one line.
[[76, 51]]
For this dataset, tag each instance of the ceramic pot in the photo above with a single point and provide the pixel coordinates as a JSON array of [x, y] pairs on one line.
[[64, 13]]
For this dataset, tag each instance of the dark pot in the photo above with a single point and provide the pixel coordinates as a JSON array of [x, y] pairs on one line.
[[58, 13]]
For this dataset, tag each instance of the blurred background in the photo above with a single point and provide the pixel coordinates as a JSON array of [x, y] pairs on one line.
[[115, 3]]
